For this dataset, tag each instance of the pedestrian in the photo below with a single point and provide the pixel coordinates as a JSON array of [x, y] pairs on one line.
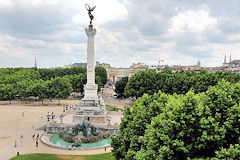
[[37, 137], [105, 148], [33, 136], [36, 143]]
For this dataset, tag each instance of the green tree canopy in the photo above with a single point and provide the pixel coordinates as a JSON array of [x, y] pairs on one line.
[[102, 73], [179, 82], [7, 92], [60, 88], [40, 89], [191, 126], [98, 82], [142, 82], [77, 82], [23, 88], [120, 86], [38, 82]]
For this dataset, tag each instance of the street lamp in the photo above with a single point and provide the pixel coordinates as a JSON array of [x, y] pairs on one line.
[[48, 116], [109, 120]]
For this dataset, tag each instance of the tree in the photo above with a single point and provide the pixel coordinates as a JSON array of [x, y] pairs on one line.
[[132, 127], [185, 129], [40, 90], [102, 73], [59, 88], [179, 82], [120, 86], [47, 74], [98, 82], [77, 82], [233, 152], [142, 82], [7, 92], [191, 126], [23, 88]]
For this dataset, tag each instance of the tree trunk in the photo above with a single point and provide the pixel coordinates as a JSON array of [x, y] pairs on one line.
[[42, 102], [59, 101], [10, 101]]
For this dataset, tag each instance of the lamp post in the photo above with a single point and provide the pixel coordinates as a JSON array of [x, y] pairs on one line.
[[109, 120], [48, 116]]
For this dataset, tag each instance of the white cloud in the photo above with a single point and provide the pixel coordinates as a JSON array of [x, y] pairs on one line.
[[199, 48], [20, 52], [192, 21], [6, 3], [44, 2], [234, 37], [133, 31]]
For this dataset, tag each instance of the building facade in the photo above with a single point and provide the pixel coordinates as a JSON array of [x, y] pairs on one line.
[[116, 74], [234, 64]]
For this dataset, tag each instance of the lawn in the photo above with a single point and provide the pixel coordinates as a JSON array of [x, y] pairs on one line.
[[111, 108], [107, 156]]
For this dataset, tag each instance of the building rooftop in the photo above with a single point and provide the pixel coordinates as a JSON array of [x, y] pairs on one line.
[[235, 61]]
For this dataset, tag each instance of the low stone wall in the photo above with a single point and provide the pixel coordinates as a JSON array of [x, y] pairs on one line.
[[58, 129], [112, 131], [55, 129], [45, 140]]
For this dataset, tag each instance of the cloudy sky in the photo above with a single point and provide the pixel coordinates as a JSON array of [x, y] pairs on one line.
[[128, 31]]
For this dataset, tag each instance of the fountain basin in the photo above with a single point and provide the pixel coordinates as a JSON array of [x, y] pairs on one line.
[[56, 142]]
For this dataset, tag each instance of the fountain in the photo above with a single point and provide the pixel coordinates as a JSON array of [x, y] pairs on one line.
[[75, 136], [83, 132]]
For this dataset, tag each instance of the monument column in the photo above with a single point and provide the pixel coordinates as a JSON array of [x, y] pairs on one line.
[[91, 32], [90, 88], [91, 107]]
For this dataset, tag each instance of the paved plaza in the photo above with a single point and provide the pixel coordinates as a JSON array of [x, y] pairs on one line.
[[18, 122]]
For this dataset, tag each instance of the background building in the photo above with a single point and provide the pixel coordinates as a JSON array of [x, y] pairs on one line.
[[115, 74], [79, 65], [234, 64]]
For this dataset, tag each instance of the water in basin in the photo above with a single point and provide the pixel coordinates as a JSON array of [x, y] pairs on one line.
[[55, 139]]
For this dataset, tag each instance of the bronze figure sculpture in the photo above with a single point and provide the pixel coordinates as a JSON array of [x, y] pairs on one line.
[[89, 12]]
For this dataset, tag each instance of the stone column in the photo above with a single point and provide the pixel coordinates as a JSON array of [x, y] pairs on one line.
[[90, 88]]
